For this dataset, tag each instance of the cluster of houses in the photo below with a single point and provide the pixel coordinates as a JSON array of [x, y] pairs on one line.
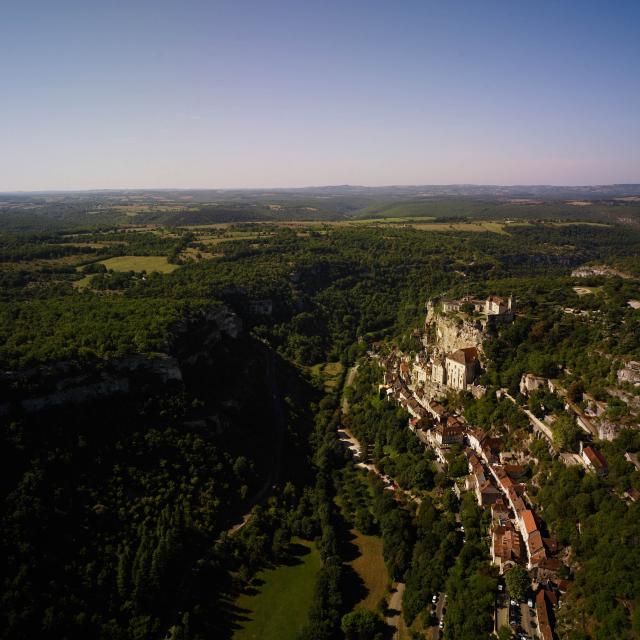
[[495, 477], [498, 483], [515, 533], [589, 456], [456, 370], [590, 415]]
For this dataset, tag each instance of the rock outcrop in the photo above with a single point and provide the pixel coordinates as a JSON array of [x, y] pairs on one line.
[[74, 383], [448, 333]]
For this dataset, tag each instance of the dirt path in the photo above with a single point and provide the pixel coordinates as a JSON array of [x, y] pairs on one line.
[[394, 619], [349, 381]]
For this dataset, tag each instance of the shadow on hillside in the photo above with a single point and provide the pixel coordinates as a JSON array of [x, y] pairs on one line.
[[353, 587], [388, 632], [348, 549]]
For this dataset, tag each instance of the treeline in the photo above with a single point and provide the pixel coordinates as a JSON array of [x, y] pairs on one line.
[[103, 537], [86, 327], [111, 511], [471, 585], [438, 543]]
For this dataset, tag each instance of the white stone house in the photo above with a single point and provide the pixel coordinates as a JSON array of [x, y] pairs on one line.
[[461, 367]]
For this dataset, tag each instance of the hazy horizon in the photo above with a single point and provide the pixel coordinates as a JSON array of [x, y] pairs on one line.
[[174, 95], [322, 186]]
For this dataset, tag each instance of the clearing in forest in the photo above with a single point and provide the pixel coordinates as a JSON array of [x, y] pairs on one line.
[[330, 372], [279, 610], [369, 565], [140, 263]]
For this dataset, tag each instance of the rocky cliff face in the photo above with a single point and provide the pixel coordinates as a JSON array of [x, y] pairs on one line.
[[71, 383], [195, 338], [451, 332], [630, 372], [453, 335]]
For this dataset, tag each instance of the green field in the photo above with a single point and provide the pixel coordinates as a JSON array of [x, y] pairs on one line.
[[139, 263], [279, 610], [369, 565], [477, 227], [390, 219], [130, 263], [330, 372]]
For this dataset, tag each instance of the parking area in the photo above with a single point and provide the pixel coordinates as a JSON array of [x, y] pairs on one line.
[[438, 609], [520, 617], [528, 621]]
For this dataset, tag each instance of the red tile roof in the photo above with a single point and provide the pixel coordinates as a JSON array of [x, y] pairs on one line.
[[468, 355], [595, 457], [529, 521], [544, 617]]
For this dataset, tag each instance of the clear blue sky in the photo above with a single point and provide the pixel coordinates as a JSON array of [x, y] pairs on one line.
[[190, 93]]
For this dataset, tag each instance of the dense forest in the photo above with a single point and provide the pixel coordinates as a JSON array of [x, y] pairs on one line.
[[117, 509]]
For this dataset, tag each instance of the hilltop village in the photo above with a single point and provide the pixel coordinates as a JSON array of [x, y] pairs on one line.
[[451, 361]]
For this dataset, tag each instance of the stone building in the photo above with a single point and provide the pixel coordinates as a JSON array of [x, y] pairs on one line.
[[461, 368]]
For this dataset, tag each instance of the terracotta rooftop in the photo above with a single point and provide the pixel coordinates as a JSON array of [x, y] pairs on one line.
[[515, 470], [437, 408], [544, 617], [633, 494], [468, 355], [536, 548], [595, 457], [529, 521]]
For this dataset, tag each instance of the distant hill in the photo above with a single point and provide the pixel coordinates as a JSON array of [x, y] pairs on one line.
[[40, 211]]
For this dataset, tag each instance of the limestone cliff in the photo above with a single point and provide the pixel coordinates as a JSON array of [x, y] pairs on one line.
[[65, 384], [449, 332]]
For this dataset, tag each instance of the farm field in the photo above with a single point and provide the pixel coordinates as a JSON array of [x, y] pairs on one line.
[[131, 263], [477, 227], [280, 608], [140, 263]]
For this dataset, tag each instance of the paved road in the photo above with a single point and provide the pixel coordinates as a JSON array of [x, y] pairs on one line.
[[395, 609]]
